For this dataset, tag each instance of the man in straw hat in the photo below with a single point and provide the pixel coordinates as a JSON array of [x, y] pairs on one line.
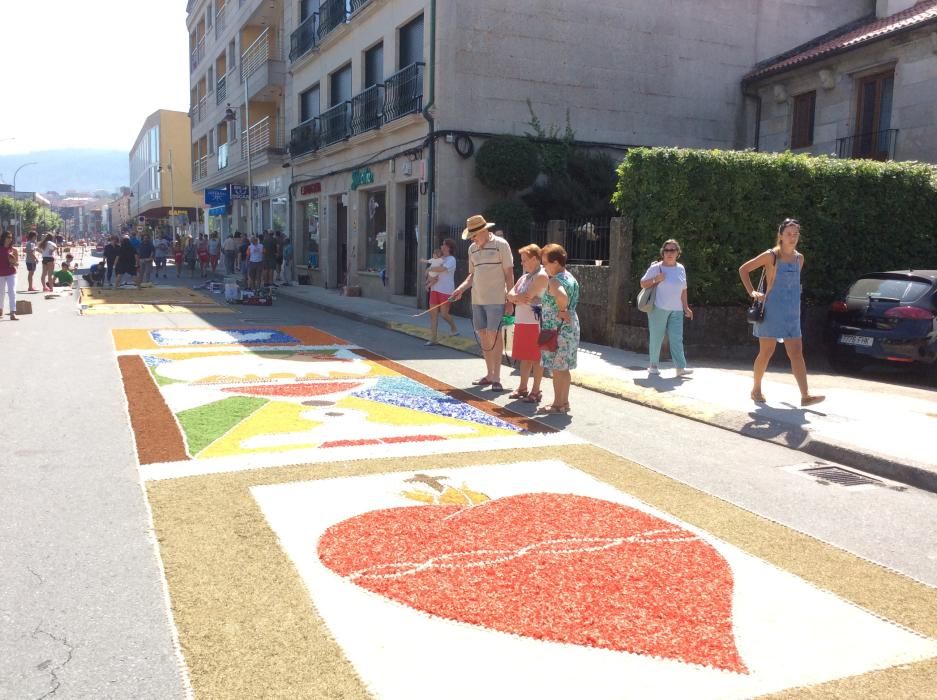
[[490, 277]]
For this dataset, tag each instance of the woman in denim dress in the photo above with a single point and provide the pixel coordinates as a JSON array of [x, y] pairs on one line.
[[782, 265]]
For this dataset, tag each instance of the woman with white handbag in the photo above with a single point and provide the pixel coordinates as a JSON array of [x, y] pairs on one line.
[[666, 279]]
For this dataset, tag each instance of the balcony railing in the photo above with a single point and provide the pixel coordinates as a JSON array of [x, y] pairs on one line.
[[221, 90], [220, 21], [265, 135], [305, 137], [332, 14], [333, 124], [877, 145], [222, 162], [358, 4], [265, 48], [403, 92], [198, 53], [367, 109], [303, 38]]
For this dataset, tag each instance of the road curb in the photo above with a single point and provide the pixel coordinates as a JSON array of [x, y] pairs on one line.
[[695, 410]]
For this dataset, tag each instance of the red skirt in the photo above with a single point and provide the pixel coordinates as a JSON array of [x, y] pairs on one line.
[[525, 345]]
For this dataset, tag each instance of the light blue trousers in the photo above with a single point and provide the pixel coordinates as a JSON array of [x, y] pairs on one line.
[[661, 321]]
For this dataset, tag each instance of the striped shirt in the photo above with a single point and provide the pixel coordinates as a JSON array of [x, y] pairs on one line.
[[487, 264]]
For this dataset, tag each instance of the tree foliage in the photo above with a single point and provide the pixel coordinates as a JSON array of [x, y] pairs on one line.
[[583, 189], [507, 163], [513, 217], [724, 207]]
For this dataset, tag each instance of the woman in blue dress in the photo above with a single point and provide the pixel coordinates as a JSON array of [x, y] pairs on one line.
[[782, 265], [559, 311]]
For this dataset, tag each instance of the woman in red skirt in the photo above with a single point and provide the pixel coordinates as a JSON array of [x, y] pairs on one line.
[[526, 299]]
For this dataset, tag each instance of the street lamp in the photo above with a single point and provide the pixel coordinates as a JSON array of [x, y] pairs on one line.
[[16, 211], [172, 195]]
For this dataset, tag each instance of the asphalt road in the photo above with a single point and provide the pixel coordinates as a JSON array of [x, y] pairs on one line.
[[82, 606]]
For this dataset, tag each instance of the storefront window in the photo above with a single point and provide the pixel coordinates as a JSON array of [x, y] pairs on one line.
[[311, 233], [278, 212], [376, 231]]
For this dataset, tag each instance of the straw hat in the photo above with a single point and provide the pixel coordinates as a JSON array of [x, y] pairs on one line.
[[474, 224]]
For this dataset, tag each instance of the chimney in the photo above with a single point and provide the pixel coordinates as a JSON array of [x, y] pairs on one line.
[[886, 8]]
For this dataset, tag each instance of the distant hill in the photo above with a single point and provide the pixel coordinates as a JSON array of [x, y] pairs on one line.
[[85, 170]]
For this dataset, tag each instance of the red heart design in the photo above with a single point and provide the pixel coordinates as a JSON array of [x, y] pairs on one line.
[[557, 567]]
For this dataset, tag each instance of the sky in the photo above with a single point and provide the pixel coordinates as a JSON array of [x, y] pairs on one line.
[[87, 74]]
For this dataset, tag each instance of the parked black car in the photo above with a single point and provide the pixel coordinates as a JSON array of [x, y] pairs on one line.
[[887, 317]]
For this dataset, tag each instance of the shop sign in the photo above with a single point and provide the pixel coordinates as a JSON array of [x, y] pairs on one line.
[[217, 211], [362, 176], [216, 196], [240, 191], [311, 188]]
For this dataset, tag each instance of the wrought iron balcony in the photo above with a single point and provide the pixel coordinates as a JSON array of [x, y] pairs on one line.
[[304, 37], [877, 145], [221, 90], [367, 110], [305, 137], [403, 92], [332, 14], [334, 124], [358, 4], [198, 53]]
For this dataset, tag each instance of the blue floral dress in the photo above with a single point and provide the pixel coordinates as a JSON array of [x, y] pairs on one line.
[[568, 340], [782, 305]]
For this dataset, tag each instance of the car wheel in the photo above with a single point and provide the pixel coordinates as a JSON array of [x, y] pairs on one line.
[[846, 361]]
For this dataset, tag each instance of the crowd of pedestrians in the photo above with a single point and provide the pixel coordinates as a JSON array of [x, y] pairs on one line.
[[542, 306]]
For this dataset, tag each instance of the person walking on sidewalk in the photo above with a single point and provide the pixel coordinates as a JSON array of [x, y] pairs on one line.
[[442, 287], [559, 311], [9, 261], [32, 259], [670, 308], [145, 254], [162, 246], [47, 249], [126, 262], [229, 248], [286, 267], [527, 296], [110, 255], [781, 296], [490, 277]]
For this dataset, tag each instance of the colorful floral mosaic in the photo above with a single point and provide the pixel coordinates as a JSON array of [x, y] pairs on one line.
[[238, 393]]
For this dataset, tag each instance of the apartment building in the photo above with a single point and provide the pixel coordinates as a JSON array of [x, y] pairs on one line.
[[866, 90], [238, 140], [387, 101], [161, 196]]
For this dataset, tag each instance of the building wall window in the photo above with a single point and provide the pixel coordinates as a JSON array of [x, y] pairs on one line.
[[873, 115], [411, 43], [309, 104], [376, 232], [310, 234], [802, 126], [340, 86], [307, 8], [374, 66]]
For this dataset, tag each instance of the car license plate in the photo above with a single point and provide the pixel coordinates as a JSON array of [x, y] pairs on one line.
[[863, 340]]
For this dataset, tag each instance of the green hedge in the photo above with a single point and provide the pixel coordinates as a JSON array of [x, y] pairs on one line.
[[724, 207]]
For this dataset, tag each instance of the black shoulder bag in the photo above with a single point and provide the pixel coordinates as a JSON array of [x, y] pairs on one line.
[[756, 312]]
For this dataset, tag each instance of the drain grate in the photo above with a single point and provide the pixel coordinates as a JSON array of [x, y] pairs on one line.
[[843, 477]]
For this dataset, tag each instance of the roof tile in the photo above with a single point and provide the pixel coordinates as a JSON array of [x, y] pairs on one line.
[[921, 13]]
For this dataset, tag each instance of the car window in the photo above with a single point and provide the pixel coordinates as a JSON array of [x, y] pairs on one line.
[[902, 289]]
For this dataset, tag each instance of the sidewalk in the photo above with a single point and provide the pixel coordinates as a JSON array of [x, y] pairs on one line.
[[877, 427]]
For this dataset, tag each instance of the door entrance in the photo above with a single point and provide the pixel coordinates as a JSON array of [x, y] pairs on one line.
[[411, 247], [341, 238], [873, 117]]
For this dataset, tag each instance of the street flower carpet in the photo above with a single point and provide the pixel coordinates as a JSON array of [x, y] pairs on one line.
[[148, 300], [335, 525]]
